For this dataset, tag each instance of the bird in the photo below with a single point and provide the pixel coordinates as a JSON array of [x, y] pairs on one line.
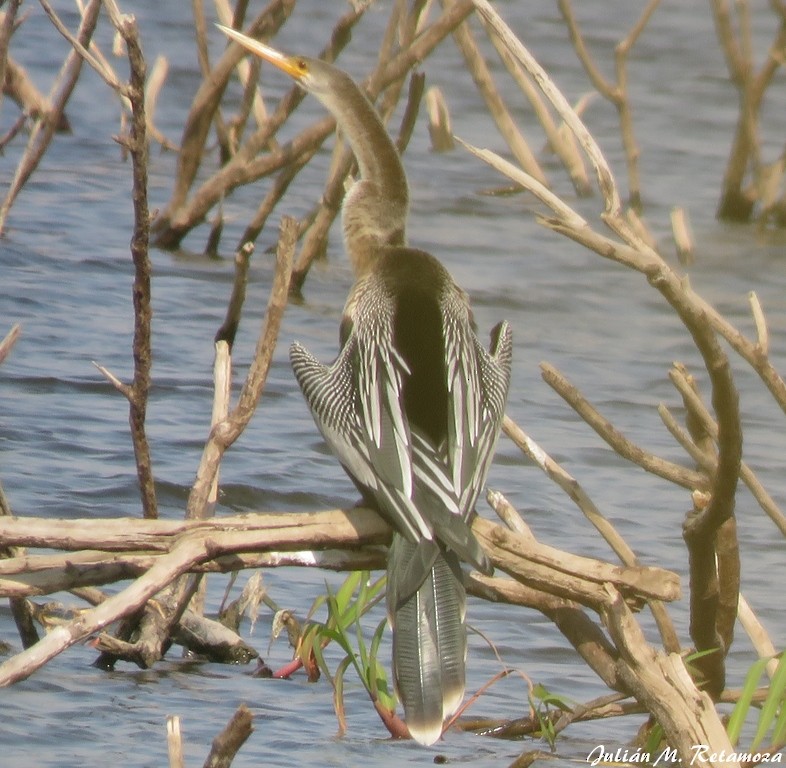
[[411, 407]]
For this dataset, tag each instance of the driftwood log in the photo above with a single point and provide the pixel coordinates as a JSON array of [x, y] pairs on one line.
[[109, 550]]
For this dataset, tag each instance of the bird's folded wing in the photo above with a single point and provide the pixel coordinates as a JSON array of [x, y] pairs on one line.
[[478, 384], [364, 427]]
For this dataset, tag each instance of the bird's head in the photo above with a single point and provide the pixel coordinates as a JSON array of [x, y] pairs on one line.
[[310, 74]]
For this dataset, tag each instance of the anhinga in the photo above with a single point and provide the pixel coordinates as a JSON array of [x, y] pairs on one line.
[[411, 407]]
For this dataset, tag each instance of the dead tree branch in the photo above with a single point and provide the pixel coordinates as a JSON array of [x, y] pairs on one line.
[[674, 473], [185, 546], [180, 216], [7, 343], [228, 742], [351, 529], [484, 81], [737, 198], [579, 496], [663, 685], [137, 144], [693, 401], [45, 126], [634, 252], [226, 432], [616, 93]]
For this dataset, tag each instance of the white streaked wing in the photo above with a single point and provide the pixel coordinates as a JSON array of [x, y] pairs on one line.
[[477, 388], [377, 463]]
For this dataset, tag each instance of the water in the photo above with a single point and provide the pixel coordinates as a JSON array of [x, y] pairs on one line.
[[64, 445]]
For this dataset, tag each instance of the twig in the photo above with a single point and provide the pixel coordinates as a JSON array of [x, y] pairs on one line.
[[747, 475], [569, 617], [736, 201], [750, 351], [762, 334], [226, 428], [621, 445], [617, 94], [562, 143], [700, 529], [228, 742], [188, 551], [439, 126], [82, 49], [247, 70], [551, 570], [574, 490], [683, 240], [180, 216], [36, 575], [531, 184], [203, 109], [222, 435], [561, 573], [20, 607], [32, 103], [484, 81], [758, 635], [45, 127], [229, 327], [9, 340], [137, 144], [277, 190], [154, 84], [7, 22], [174, 741], [507, 513], [554, 95]]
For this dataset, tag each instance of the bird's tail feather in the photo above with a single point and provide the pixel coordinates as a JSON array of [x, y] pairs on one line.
[[429, 641]]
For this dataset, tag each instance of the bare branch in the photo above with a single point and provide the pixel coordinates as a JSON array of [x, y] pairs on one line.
[[180, 216], [186, 552], [593, 514], [228, 742], [621, 445], [554, 95], [662, 684], [485, 83], [174, 741], [45, 126], [561, 142], [697, 407], [762, 334], [569, 617], [223, 434], [702, 525], [9, 340]]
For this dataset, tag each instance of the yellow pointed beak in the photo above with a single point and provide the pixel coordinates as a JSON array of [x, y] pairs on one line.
[[288, 64]]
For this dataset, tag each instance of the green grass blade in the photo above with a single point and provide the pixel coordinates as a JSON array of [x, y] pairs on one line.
[[742, 707], [775, 698], [338, 696], [346, 590], [316, 649], [779, 729]]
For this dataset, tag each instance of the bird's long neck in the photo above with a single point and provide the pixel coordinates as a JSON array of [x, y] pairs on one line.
[[375, 209]]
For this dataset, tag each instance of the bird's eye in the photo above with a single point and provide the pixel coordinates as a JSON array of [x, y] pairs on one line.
[[302, 66]]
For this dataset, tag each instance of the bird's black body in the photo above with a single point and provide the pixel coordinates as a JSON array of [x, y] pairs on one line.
[[411, 407], [409, 276]]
